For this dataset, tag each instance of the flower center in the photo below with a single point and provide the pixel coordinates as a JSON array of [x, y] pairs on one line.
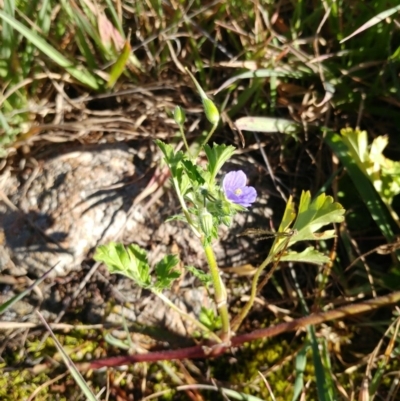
[[238, 191]]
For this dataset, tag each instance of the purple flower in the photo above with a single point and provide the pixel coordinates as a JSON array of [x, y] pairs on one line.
[[236, 190]]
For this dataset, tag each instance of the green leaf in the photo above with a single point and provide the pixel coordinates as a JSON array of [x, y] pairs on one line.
[[165, 272], [204, 278], [44, 16], [184, 184], [209, 319], [325, 386], [171, 158], [381, 171], [288, 216], [363, 185], [115, 17], [84, 28], [9, 43], [281, 241], [130, 261], [309, 255], [217, 156], [313, 215], [195, 173], [174, 162], [267, 125]]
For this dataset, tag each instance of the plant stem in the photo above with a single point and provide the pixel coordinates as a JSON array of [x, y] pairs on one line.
[[220, 292], [185, 141], [206, 140], [199, 351], [237, 321], [276, 249], [187, 316], [184, 207]]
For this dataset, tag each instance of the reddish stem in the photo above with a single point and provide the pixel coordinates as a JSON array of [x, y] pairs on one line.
[[201, 351]]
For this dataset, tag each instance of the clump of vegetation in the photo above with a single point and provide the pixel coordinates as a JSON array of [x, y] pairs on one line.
[[313, 88]]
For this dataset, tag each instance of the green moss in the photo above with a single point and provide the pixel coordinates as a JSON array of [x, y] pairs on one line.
[[20, 384]]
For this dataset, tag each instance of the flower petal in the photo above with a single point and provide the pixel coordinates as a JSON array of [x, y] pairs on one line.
[[248, 196], [245, 198], [234, 180]]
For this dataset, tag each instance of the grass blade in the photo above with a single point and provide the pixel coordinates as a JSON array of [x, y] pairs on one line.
[[373, 21], [82, 76], [325, 388], [7, 32], [300, 366], [8, 304], [114, 17], [262, 73], [324, 384], [44, 16], [70, 365], [84, 28]]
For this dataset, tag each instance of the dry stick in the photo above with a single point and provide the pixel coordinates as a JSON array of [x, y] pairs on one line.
[[207, 352]]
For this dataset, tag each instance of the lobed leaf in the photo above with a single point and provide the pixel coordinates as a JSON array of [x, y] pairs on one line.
[[205, 278], [363, 185], [130, 261], [165, 272], [313, 215], [209, 319], [217, 156], [309, 255], [172, 158], [384, 173], [194, 173]]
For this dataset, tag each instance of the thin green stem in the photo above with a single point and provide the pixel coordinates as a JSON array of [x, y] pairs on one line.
[[185, 141], [220, 292], [276, 249], [184, 208], [200, 325], [206, 140], [237, 321]]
